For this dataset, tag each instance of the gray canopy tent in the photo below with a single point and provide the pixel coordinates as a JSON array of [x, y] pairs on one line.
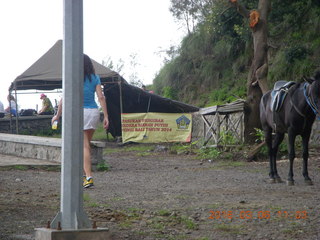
[[46, 72]]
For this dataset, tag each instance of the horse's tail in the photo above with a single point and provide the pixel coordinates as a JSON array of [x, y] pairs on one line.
[[263, 105], [264, 100]]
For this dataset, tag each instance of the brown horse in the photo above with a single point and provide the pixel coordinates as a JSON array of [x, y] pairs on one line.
[[295, 117]]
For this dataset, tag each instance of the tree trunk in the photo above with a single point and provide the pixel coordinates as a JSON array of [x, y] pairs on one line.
[[257, 83]]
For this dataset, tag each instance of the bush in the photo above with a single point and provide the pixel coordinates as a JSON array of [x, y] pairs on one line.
[[296, 53]]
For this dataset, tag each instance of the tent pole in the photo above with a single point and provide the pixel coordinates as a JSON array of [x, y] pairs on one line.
[[120, 89], [121, 102], [149, 104], [17, 111], [11, 130]]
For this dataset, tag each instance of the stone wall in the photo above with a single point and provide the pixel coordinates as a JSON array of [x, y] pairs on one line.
[[29, 125], [42, 148]]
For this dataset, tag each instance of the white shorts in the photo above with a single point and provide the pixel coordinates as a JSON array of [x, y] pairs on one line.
[[91, 117]]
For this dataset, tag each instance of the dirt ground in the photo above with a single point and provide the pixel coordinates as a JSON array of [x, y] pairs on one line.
[[158, 195]]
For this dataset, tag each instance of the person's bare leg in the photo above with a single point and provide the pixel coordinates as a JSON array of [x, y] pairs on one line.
[[87, 136]]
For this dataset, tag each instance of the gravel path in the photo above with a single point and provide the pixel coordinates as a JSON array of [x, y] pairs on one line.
[[166, 196]]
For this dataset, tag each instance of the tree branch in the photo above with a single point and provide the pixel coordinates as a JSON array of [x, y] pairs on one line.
[[240, 8]]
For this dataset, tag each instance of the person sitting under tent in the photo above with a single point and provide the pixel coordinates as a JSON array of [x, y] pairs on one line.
[[47, 108], [143, 87], [1, 110], [12, 108]]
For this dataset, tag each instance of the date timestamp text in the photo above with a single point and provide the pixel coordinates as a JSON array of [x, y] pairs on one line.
[[246, 214]]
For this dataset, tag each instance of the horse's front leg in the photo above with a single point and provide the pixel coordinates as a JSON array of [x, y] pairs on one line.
[[292, 155], [277, 141], [305, 155]]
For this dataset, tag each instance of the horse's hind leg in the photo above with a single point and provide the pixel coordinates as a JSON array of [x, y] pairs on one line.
[[277, 141], [268, 140], [305, 154], [273, 170]]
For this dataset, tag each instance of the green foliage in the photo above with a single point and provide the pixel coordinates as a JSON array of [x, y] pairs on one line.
[[169, 92], [44, 133], [103, 167], [259, 135], [100, 134], [184, 148], [208, 153], [227, 138], [188, 223], [295, 53], [283, 148], [20, 167], [212, 64]]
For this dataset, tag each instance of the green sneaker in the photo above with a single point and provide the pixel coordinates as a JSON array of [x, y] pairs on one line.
[[88, 183]]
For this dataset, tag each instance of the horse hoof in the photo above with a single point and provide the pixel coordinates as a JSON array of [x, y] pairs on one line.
[[272, 180], [290, 183], [278, 180], [308, 182]]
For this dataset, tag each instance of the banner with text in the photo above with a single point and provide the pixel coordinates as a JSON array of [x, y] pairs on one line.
[[156, 127]]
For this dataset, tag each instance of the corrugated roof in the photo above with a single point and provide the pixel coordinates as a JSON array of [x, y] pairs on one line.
[[236, 106]]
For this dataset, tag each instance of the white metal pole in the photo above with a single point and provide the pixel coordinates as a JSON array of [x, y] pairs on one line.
[[72, 215]]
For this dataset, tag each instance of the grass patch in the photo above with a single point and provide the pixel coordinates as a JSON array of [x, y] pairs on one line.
[[89, 202], [143, 154], [167, 219], [86, 197], [164, 213], [142, 149], [184, 148], [116, 199], [100, 134], [293, 229], [126, 224], [273, 208], [228, 228], [140, 233], [215, 206], [188, 223], [134, 213], [182, 197], [93, 204], [139, 148], [102, 167], [208, 153], [158, 225], [20, 167]]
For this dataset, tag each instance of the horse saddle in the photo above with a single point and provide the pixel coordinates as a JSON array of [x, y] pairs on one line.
[[279, 93]]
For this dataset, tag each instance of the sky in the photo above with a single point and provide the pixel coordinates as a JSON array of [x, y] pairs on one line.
[[111, 29]]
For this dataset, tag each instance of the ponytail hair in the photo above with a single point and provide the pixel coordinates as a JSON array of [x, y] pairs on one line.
[[88, 68]]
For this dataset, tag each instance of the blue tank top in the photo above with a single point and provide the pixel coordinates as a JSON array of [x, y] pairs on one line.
[[89, 89]]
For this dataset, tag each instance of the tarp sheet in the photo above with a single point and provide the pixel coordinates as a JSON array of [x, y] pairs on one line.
[[136, 100]]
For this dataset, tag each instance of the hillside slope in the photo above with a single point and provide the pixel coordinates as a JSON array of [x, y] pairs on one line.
[[212, 63]]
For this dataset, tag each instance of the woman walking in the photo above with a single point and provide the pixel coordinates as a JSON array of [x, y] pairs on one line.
[[91, 115]]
